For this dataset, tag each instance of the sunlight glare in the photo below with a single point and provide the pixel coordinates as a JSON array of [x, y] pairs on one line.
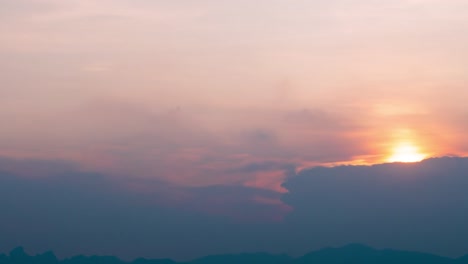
[[406, 152]]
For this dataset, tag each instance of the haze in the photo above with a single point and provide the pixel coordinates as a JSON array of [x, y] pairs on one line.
[[187, 95]]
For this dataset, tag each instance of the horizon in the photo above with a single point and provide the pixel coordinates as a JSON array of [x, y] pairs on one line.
[[342, 247]]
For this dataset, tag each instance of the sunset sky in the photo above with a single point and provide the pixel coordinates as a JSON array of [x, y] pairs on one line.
[[166, 97]]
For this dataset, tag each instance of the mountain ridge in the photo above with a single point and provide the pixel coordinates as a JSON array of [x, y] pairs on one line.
[[350, 254]]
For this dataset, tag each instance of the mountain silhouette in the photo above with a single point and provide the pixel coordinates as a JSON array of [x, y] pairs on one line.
[[350, 254], [462, 260], [357, 254], [260, 258]]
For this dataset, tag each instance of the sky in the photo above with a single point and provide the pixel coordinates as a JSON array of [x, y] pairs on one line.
[[213, 107]]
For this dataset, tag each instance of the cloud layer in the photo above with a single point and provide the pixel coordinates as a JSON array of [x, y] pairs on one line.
[[420, 206]]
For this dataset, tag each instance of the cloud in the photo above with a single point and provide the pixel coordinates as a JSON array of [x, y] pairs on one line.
[[183, 145], [36, 167], [172, 100], [73, 211], [418, 206]]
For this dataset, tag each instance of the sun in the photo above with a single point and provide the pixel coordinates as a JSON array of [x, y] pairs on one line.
[[406, 152]]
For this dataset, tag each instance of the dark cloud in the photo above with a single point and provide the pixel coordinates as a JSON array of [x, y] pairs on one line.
[[418, 206], [78, 212]]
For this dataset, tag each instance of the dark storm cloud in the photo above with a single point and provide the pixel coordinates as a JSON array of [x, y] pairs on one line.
[[76, 212], [420, 206]]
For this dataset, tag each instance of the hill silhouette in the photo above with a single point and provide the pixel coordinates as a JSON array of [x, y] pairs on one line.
[[350, 254]]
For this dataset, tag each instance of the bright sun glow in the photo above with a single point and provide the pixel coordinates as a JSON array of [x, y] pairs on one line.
[[406, 152]]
